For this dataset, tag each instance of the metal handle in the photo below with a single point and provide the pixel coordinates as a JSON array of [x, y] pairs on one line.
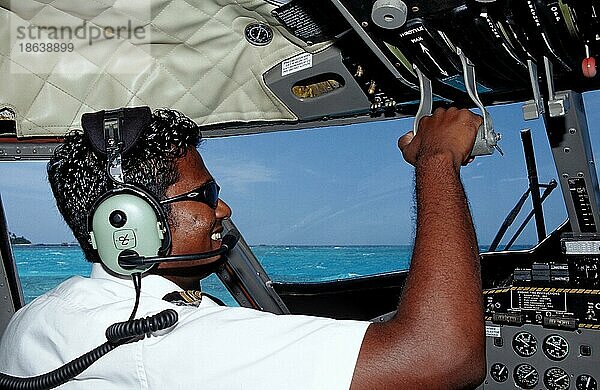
[[426, 103], [487, 139]]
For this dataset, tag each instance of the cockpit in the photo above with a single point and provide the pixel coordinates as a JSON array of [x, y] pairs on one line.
[[255, 67]]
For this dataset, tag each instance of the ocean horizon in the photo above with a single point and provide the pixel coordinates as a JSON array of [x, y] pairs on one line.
[[42, 267]]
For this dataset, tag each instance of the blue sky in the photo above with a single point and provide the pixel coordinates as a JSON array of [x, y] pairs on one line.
[[331, 186]]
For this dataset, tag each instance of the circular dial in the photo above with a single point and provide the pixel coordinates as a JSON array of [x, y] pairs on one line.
[[499, 372], [586, 382], [556, 379], [555, 347], [526, 377], [258, 34], [524, 344]]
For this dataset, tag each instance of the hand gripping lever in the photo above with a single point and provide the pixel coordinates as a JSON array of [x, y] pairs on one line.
[[487, 139]]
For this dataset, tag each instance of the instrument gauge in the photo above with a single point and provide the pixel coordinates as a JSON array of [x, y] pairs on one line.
[[259, 34], [499, 372], [524, 344], [556, 379], [526, 376], [586, 382], [555, 347]]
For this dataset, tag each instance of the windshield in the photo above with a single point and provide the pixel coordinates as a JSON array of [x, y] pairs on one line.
[[314, 205]]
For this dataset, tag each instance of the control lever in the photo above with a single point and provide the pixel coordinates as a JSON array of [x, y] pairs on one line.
[[426, 103], [558, 104], [533, 109], [480, 148], [487, 139]]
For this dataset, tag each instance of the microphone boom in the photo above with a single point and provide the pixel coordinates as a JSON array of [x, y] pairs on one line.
[[130, 259]]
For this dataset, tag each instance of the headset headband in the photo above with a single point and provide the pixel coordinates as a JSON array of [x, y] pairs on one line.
[[134, 119]]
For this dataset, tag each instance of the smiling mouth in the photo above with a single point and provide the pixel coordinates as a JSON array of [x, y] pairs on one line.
[[216, 236]]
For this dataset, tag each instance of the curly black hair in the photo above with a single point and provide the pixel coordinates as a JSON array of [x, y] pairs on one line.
[[77, 174]]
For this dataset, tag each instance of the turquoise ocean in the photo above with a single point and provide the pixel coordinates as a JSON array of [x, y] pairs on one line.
[[41, 268]]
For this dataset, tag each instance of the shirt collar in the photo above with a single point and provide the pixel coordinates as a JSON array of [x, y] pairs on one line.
[[153, 285]]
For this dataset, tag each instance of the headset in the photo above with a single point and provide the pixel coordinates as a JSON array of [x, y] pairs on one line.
[[127, 225]]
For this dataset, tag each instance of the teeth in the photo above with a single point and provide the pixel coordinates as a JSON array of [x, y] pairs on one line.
[[216, 236]]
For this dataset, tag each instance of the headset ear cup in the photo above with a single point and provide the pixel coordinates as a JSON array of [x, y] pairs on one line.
[[128, 219]]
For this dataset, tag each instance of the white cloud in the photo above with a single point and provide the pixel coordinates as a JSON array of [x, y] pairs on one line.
[[240, 174], [313, 217], [512, 179]]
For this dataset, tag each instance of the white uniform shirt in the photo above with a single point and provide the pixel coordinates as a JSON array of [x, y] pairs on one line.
[[211, 347]]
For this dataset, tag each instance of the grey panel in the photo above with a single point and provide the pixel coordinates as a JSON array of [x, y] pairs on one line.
[[7, 309], [246, 279], [26, 151], [574, 364], [350, 99], [572, 152], [11, 297], [358, 28]]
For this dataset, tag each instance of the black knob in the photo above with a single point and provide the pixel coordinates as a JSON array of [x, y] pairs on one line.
[[117, 218]]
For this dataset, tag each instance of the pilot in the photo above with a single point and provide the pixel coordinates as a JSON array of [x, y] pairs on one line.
[[436, 340]]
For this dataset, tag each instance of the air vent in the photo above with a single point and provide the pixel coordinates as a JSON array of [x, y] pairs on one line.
[[8, 122], [317, 86]]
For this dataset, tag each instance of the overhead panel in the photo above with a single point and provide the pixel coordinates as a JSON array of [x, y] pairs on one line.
[[257, 66]]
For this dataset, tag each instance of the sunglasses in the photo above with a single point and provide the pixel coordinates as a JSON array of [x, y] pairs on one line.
[[207, 193]]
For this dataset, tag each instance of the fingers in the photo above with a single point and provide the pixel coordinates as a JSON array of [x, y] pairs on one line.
[[475, 120], [470, 118], [405, 140], [407, 152], [448, 131], [440, 111]]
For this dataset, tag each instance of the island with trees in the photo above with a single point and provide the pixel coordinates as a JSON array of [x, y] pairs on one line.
[[18, 240]]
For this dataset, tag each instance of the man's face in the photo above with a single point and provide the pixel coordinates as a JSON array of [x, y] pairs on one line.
[[195, 224]]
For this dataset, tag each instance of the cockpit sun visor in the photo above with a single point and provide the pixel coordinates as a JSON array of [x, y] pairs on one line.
[[132, 119]]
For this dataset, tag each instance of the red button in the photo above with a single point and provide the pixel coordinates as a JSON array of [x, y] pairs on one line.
[[588, 66]]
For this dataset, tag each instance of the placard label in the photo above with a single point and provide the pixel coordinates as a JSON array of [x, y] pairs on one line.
[[295, 64]]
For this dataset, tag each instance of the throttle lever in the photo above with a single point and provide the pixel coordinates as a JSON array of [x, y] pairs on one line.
[[484, 138], [487, 139], [426, 103]]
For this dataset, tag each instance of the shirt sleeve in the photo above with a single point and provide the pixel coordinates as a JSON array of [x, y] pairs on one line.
[[238, 348]]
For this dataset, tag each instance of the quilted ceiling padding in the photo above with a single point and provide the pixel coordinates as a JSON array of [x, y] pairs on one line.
[[193, 57]]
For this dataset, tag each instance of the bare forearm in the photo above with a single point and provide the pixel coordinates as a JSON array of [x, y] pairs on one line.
[[444, 269], [436, 340], [441, 304]]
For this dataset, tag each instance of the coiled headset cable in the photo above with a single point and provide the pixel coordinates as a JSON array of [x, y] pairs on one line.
[[116, 335]]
